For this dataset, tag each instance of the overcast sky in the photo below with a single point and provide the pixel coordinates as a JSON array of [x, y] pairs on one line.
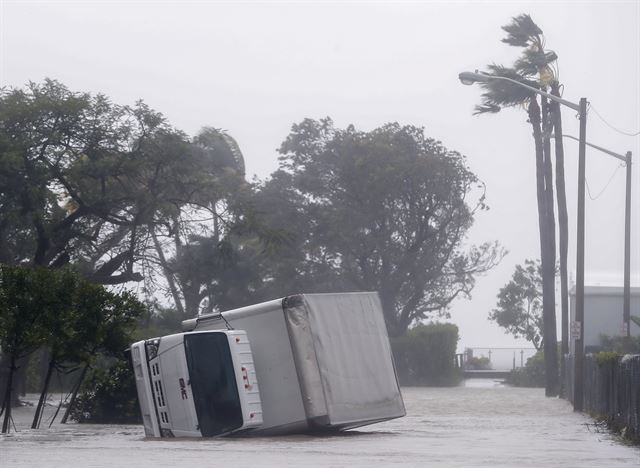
[[255, 68]]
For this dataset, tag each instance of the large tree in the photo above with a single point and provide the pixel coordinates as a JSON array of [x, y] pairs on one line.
[[534, 68], [386, 210], [519, 307], [84, 179]]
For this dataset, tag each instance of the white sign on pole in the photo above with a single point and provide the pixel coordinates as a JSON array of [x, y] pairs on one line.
[[575, 330], [623, 329]]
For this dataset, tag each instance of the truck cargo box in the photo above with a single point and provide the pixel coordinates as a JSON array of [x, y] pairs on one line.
[[323, 361]]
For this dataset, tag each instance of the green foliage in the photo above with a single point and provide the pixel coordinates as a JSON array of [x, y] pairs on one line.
[[27, 298], [521, 31], [110, 397], [426, 355], [534, 68], [607, 357], [85, 180], [519, 308], [478, 363], [72, 318], [620, 344], [211, 263], [384, 210], [531, 375], [158, 321]]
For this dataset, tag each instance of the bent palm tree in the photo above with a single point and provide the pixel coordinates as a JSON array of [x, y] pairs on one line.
[[534, 62]]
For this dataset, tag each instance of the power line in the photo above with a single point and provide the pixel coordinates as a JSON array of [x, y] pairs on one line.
[[611, 126], [606, 185]]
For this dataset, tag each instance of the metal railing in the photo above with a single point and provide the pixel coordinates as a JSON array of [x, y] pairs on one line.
[[495, 358]]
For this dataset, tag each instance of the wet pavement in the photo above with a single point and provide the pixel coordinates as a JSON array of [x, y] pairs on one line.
[[479, 424]]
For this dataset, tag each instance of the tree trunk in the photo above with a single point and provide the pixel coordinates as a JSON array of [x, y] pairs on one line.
[[547, 254], [167, 273], [549, 270], [43, 395], [74, 395], [563, 230], [5, 364], [6, 401], [392, 320]]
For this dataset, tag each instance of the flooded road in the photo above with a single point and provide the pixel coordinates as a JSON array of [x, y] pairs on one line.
[[480, 424]]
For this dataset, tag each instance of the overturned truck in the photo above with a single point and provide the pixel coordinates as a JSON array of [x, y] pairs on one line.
[[309, 362]]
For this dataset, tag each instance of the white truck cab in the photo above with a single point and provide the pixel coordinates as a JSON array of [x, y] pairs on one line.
[[198, 384]]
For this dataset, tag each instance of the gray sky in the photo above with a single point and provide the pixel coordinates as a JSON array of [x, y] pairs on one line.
[[255, 68]]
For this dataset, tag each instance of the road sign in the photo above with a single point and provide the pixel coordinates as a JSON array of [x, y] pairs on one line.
[[575, 330]]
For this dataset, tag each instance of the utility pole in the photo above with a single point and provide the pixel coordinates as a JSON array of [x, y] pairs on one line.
[[626, 307], [578, 371]]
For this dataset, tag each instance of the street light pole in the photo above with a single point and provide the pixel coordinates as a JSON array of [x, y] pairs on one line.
[[578, 368], [626, 312], [469, 78]]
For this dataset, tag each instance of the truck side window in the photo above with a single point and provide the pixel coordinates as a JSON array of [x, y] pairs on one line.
[[213, 383]]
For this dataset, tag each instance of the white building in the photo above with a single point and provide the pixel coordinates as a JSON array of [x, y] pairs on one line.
[[603, 313]]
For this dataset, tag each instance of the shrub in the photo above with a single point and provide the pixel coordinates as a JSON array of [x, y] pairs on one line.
[[426, 355], [531, 375], [478, 363], [109, 397], [620, 344], [606, 357]]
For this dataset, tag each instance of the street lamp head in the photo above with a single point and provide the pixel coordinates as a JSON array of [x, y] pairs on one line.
[[469, 78]]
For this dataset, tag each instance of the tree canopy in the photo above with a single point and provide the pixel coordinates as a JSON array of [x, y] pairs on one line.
[[84, 180], [386, 210], [519, 307], [57, 309]]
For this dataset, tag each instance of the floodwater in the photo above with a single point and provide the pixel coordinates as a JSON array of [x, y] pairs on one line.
[[479, 424]]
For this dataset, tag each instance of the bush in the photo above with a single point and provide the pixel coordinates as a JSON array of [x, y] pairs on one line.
[[426, 355], [478, 363], [606, 357], [619, 344], [531, 375], [109, 397]]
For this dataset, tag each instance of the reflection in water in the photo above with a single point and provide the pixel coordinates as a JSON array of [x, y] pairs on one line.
[[483, 383], [481, 424]]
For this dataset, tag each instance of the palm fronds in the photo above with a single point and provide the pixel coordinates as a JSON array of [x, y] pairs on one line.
[[500, 93], [522, 31]]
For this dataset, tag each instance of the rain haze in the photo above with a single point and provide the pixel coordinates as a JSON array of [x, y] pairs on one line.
[[256, 68]]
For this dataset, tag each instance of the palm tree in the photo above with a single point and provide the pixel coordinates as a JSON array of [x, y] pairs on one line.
[[523, 32], [534, 64], [537, 60], [194, 255]]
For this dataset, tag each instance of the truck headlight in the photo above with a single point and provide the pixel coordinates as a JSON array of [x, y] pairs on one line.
[[152, 348]]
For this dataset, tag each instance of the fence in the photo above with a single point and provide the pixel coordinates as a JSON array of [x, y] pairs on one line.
[[612, 390], [499, 358]]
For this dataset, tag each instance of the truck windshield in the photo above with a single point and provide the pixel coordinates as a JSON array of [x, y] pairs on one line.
[[213, 383]]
